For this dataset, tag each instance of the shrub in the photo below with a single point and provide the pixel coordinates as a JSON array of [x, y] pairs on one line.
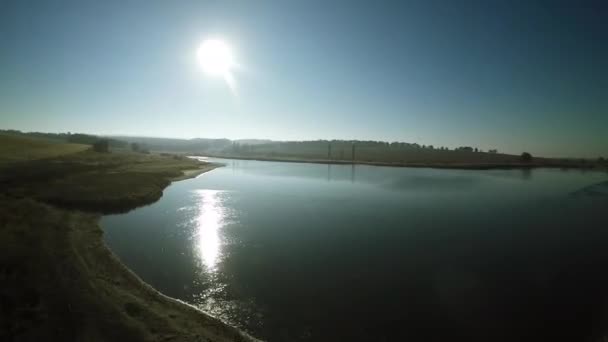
[[526, 157], [101, 145]]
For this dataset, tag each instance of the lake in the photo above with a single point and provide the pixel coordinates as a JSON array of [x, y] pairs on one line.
[[312, 252]]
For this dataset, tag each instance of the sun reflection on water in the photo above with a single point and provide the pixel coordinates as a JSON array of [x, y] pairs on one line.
[[210, 217]]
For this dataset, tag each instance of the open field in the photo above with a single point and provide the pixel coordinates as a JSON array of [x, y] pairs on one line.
[[101, 182], [60, 282], [21, 148]]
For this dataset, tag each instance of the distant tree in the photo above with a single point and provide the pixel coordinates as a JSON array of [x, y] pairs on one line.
[[101, 145], [137, 147], [526, 157], [493, 151], [601, 160], [476, 149], [246, 148], [115, 143], [465, 148], [78, 138]]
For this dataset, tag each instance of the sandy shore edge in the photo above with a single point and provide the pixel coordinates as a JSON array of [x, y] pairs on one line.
[[158, 317], [193, 173]]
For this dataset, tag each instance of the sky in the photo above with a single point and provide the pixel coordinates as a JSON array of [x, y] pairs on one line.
[[512, 75]]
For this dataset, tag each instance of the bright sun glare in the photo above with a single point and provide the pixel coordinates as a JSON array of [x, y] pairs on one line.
[[215, 57]]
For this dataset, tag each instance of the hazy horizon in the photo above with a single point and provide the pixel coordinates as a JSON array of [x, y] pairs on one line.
[[516, 77]]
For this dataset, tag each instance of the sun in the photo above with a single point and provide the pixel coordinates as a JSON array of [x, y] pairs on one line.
[[215, 57]]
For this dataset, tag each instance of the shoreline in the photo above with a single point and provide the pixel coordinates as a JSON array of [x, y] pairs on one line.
[[193, 173], [192, 323], [61, 282], [187, 319], [455, 166]]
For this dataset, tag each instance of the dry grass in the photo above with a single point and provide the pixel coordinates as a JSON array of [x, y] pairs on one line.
[[99, 182]]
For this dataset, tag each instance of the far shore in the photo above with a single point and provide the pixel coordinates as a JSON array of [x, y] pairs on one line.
[[542, 163]]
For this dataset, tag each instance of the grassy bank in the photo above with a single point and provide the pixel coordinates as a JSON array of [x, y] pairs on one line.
[[59, 281], [98, 182]]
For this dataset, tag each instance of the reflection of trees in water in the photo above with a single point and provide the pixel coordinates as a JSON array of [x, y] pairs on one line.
[[526, 174], [341, 175]]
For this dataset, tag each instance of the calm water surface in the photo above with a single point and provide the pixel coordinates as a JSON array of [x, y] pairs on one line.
[[309, 252]]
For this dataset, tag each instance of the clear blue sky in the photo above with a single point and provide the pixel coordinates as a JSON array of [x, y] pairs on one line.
[[513, 75]]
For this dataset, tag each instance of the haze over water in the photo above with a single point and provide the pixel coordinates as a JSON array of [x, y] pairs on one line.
[[311, 252]]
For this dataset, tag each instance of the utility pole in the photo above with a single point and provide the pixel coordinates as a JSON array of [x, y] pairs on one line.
[[329, 150], [353, 152]]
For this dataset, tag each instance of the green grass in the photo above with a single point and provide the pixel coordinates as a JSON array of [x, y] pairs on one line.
[[20, 148]]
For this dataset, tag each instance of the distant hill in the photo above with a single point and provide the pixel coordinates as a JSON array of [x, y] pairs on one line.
[[347, 151], [74, 138], [198, 145], [334, 151], [367, 151], [317, 149], [254, 141], [393, 154]]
